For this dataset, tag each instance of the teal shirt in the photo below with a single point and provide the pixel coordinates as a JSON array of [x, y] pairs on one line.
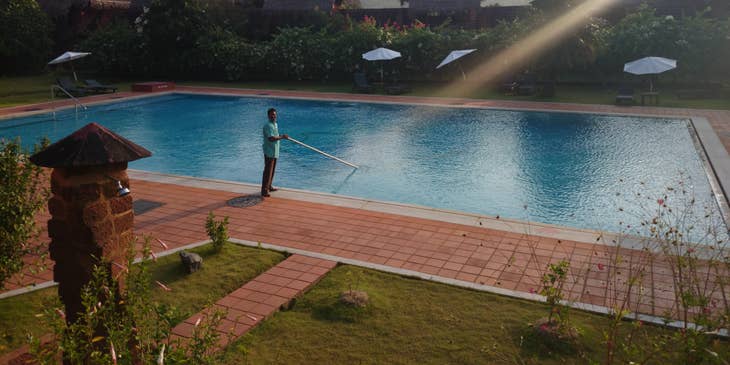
[[271, 149]]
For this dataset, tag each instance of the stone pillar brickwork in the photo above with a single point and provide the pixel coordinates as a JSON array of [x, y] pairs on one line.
[[89, 221]]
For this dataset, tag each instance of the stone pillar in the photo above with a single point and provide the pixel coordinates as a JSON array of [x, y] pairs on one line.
[[89, 221]]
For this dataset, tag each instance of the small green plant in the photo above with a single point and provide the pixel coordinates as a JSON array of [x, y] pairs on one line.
[[217, 230], [201, 348], [555, 331], [352, 296], [353, 280], [552, 289]]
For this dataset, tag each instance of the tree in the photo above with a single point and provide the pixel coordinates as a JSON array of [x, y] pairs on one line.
[[575, 51], [699, 44], [116, 48], [172, 29], [23, 193], [25, 42]]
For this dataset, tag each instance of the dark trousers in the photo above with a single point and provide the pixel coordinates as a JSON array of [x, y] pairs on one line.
[[269, 169]]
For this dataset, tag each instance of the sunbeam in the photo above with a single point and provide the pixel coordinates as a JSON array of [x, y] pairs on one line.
[[534, 44]]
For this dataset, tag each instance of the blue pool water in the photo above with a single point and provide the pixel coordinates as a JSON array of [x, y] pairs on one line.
[[567, 169]]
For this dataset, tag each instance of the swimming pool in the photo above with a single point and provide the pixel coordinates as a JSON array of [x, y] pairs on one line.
[[576, 170]]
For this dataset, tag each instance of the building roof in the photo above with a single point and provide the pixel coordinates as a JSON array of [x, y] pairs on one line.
[[109, 4], [444, 4], [298, 4], [92, 145]]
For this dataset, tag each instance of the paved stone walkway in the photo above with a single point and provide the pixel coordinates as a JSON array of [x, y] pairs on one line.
[[258, 299]]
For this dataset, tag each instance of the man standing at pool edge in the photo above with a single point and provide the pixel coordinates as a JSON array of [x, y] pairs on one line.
[[271, 152]]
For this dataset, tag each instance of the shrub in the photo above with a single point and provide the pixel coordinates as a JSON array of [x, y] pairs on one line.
[[117, 49], [422, 49], [25, 42], [223, 55], [299, 53], [23, 193], [698, 43], [172, 29], [217, 230], [355, 40], [552, 288]]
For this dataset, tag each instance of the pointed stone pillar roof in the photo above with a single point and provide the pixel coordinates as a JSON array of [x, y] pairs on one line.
[[92, 145]]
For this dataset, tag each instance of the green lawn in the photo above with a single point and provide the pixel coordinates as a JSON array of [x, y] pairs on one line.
[[221, 274], [33, 89], [410, 321]]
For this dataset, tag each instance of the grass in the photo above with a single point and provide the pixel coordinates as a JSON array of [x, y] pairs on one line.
[[221, 273], [409, 321], [25, 90], [22, 314], [35, 89]]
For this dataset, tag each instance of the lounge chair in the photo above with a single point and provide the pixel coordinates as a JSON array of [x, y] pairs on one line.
[[361, 84], [99, 87], [625, 95], [508, 86], [528, 85], [67, 84]]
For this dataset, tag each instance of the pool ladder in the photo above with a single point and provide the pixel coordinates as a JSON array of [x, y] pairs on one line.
[[77, 102]]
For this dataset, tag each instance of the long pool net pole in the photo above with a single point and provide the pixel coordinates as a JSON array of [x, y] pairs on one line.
[[323, 153]]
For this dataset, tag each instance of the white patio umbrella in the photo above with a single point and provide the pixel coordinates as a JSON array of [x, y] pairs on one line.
[[650, 65], [455, 55], [381, 54], [67, 57]]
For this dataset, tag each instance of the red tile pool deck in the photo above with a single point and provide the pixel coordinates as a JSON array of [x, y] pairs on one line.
[[459, 253]]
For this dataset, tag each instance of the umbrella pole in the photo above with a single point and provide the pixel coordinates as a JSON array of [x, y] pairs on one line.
[[74, 72], [463, 75]]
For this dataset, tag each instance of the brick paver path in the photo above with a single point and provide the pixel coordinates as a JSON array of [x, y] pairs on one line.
[[259, 298]]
